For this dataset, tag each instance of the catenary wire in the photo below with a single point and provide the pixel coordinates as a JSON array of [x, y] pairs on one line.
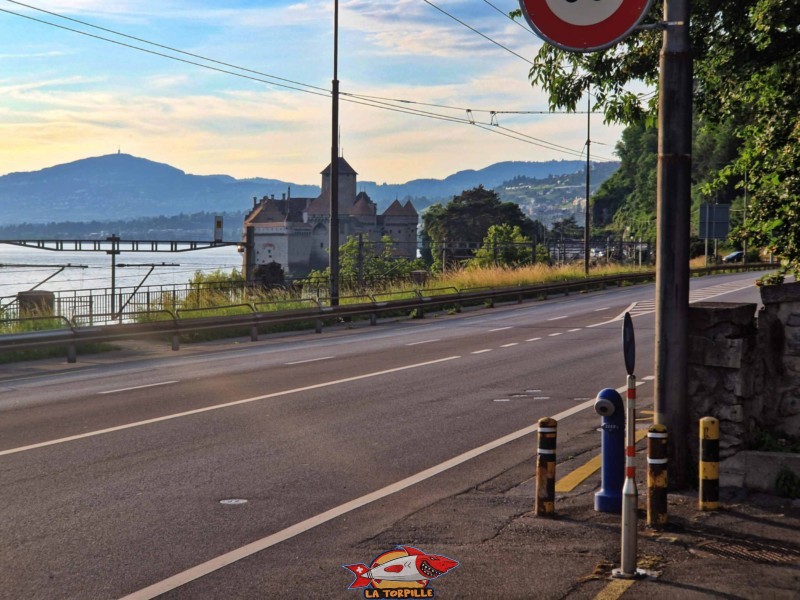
[[483, 35], [325, 93]]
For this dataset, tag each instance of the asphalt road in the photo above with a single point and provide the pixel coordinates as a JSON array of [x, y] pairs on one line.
[[112, 476]]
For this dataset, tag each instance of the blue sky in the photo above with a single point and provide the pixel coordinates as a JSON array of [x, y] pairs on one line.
[[66, 96]]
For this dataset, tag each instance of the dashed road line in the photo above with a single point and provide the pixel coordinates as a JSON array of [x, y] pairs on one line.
[[309, 360], [533, 339], [198, 411], [554, 334], [499, 329], [510, 345], [558, 318], [482, 351], [423, 342], [138, 387]]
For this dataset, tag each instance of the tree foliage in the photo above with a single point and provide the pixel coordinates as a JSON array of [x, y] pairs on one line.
[[746, 67], [362, 262], [464, 221], [504, 246]]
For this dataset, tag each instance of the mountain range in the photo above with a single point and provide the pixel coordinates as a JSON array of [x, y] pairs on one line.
[[121, 186]]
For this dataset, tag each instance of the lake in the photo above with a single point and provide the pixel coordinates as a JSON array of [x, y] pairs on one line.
[[23, 268]]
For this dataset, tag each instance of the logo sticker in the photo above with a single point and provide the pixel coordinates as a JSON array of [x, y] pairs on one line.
[[404, 572]]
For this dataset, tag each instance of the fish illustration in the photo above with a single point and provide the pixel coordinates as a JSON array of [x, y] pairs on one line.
[[416, 566]]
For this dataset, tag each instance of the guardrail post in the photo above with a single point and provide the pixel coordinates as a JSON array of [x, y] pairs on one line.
[[420, 313], [708, 496], [254, 333], [546, 468], [72, 354], [373, 318], [657, 476], [176, 341], [318, 325]]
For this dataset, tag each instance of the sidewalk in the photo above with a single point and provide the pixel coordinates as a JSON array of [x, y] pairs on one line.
[[748, 549]]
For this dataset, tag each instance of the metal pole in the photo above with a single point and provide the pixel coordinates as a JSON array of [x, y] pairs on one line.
[[630, 495], [744, 219], [334, 179], [586, 210], [672, 260]]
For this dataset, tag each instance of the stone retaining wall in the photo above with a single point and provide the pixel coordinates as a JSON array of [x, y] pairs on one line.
[[744, 369]]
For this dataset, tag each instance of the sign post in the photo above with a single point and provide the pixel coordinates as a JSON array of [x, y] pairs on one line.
[[630, 495], [584, 25]]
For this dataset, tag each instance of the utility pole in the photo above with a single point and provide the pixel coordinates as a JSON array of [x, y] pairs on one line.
[[334, 178], [587, 216], [672, 262]]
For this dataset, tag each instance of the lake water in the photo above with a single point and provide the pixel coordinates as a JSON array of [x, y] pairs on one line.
[[23, 268]]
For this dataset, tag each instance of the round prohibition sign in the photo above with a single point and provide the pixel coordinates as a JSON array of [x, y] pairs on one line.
[[584, 25]]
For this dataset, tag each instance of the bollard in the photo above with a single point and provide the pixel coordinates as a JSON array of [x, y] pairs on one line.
[[657, 476], [709, 464], [254, 334], [546, 468], [609, 405], [176, 342], [630, 495], [72, 354]]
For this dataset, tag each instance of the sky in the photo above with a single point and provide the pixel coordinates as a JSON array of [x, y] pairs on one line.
[[65, 96]]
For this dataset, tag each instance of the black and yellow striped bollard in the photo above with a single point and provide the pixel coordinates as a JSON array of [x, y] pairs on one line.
[[657, 459], [709, 464], [546, 468]]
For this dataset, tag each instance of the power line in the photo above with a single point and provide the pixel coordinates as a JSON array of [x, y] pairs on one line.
[[372, 101], [505, 14], [171, 49], [483, 35]]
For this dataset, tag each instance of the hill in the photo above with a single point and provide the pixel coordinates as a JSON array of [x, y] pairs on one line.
[[122, 187]]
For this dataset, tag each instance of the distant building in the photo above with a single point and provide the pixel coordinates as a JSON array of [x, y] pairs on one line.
[[291, 235]]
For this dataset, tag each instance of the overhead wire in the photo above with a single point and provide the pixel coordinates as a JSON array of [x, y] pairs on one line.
[[365, 100], [483, 35]]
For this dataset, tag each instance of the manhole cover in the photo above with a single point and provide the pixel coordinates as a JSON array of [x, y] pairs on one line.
[[750, 551], [233, 501]]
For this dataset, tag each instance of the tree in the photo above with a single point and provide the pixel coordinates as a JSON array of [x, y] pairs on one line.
[[463, 222], [503, 246], [361, 262], [746, 65]]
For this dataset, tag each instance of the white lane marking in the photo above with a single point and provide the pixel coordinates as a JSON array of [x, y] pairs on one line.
[[309, 360], [138, 387], [482, 351], [558, 318], [233, 556], [574, 330], [198, 411], [533, 339], [499, 329], [554, 334], [648, 378], [422, 342], [509, 345], [601, 309], [502, 400]]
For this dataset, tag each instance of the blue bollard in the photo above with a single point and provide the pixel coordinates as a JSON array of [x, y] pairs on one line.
[[610, 406]]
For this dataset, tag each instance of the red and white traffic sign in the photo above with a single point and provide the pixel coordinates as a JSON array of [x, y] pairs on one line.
[[584, 25]]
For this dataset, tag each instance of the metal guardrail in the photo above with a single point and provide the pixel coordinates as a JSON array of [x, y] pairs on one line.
[[166, 322]]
